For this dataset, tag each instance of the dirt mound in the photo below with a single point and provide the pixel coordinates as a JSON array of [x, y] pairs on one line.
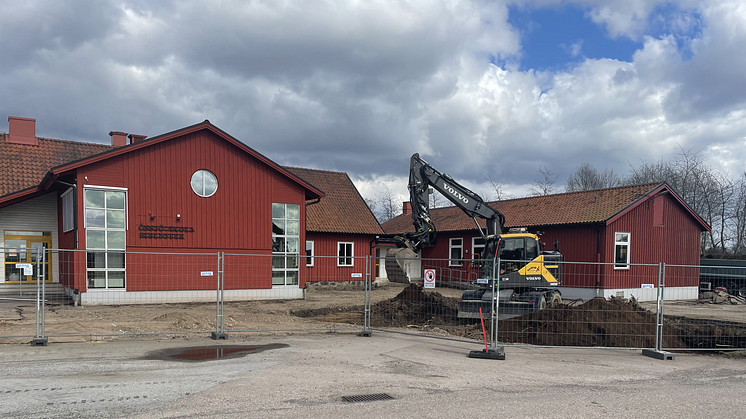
[[597, 323], [413, 306]]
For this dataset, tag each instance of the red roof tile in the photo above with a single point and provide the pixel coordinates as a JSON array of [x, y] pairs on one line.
[[560, 209], [24, 166], [342, 209]]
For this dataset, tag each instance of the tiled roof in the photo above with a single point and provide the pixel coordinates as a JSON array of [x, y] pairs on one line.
[[24, 166], [342, 209], [560, 209]]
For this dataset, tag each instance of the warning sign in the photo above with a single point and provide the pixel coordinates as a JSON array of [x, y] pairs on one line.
[[429, 278]]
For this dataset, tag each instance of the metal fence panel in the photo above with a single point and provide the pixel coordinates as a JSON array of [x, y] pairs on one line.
[[587, 316], [271, 293], [715, 322]]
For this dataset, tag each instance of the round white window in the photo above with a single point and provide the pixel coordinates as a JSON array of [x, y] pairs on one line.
[[204, 183]]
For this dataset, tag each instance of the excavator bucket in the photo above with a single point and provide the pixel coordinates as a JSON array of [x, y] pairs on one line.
[[403, 266]]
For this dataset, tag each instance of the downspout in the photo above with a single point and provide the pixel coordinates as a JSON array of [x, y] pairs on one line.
[[598, 260]]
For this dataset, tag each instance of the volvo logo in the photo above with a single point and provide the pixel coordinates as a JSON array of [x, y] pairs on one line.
[[455, 193]]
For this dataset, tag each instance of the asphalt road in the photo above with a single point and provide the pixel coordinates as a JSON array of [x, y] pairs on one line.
[[308, 375]]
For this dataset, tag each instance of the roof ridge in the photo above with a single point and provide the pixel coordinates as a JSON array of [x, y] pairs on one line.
[[315, 170], [584, 192]]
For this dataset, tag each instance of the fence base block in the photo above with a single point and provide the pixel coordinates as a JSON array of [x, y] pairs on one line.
[[366, 333], [666, 356], [39, 342], [498, 353], [219, 336]]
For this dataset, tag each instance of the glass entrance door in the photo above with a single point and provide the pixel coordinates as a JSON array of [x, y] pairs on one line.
[[22, 247]]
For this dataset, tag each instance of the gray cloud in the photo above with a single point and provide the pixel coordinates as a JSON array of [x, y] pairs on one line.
[[359, 87]]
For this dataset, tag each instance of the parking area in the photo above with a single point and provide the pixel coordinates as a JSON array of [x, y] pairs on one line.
[[309, 375]]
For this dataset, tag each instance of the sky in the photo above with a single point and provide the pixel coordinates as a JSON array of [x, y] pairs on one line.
[[480, 89]]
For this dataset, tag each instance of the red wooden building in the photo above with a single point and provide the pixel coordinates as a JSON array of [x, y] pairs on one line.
[[196, 190], [605, 235]]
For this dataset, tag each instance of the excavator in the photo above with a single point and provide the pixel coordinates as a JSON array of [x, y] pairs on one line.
[[528, 276]]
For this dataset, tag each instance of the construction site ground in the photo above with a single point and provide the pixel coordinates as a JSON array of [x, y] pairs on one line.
[[598, 322]]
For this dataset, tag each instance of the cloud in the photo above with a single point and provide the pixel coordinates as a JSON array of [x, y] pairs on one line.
[[360, 86]]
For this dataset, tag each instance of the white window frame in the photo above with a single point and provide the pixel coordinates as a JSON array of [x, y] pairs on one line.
[[342, 260], [286, 255], [313, 252], [106, 250], [451, 247], [477, 248], [618, 243], [68, 210]]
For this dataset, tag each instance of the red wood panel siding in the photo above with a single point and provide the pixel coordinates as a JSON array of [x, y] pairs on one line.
[[325, 263], [675, 243], [237, 218]]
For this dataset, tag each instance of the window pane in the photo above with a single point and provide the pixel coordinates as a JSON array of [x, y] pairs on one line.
[[210, 182], [196, 183], [293, 228], [114, 219], [456, 242], [116, 279], [115, 200], [116, 259], [293, 245], [95, 218], [278, 244], [293, 212], [455, 253], [96, 279], [622, 237], [621, 254], [278, 210], [94, 199], [115, 240], [96, 239], [278, 278], [96, 260], [278, 262], [292, 278], [292, 262], [278, 227]]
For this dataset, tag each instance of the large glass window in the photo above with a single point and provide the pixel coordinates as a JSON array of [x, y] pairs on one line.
[[456, 251], [512, 253], [68, 210], [345, 251], [106, 229], [285, 243], [621, 250]]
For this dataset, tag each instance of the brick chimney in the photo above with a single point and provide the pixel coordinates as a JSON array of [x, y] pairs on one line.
[[21, 131], [134, 138], [406, 208], [118, 138]]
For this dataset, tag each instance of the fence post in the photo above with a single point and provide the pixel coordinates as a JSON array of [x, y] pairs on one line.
[[219, 332], [39, 340], [494, 351], [658, 351], [366, 332]]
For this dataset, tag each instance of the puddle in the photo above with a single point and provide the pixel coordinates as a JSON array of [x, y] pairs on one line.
[[209, 353]]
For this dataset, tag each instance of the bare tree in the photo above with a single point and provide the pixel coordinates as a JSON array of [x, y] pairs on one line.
[[587, 178], [547, 185], [497, 189], [386, 205]]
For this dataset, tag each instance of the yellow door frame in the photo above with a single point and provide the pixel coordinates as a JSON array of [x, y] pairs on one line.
[[44, 237]]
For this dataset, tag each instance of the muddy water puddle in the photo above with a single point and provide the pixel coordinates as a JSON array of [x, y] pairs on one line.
[[209, 353]]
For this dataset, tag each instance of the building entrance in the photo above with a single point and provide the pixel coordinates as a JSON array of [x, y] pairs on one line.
[[23, 247]]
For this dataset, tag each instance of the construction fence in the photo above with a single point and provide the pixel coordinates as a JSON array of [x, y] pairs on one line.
[[61, 296]]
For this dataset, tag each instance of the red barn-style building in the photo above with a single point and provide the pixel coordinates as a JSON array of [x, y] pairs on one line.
[[193, 190], [611, 231]]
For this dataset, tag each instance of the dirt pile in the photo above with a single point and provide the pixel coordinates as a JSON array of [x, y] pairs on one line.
[[720, 297], [596, 323], [413, 306]]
